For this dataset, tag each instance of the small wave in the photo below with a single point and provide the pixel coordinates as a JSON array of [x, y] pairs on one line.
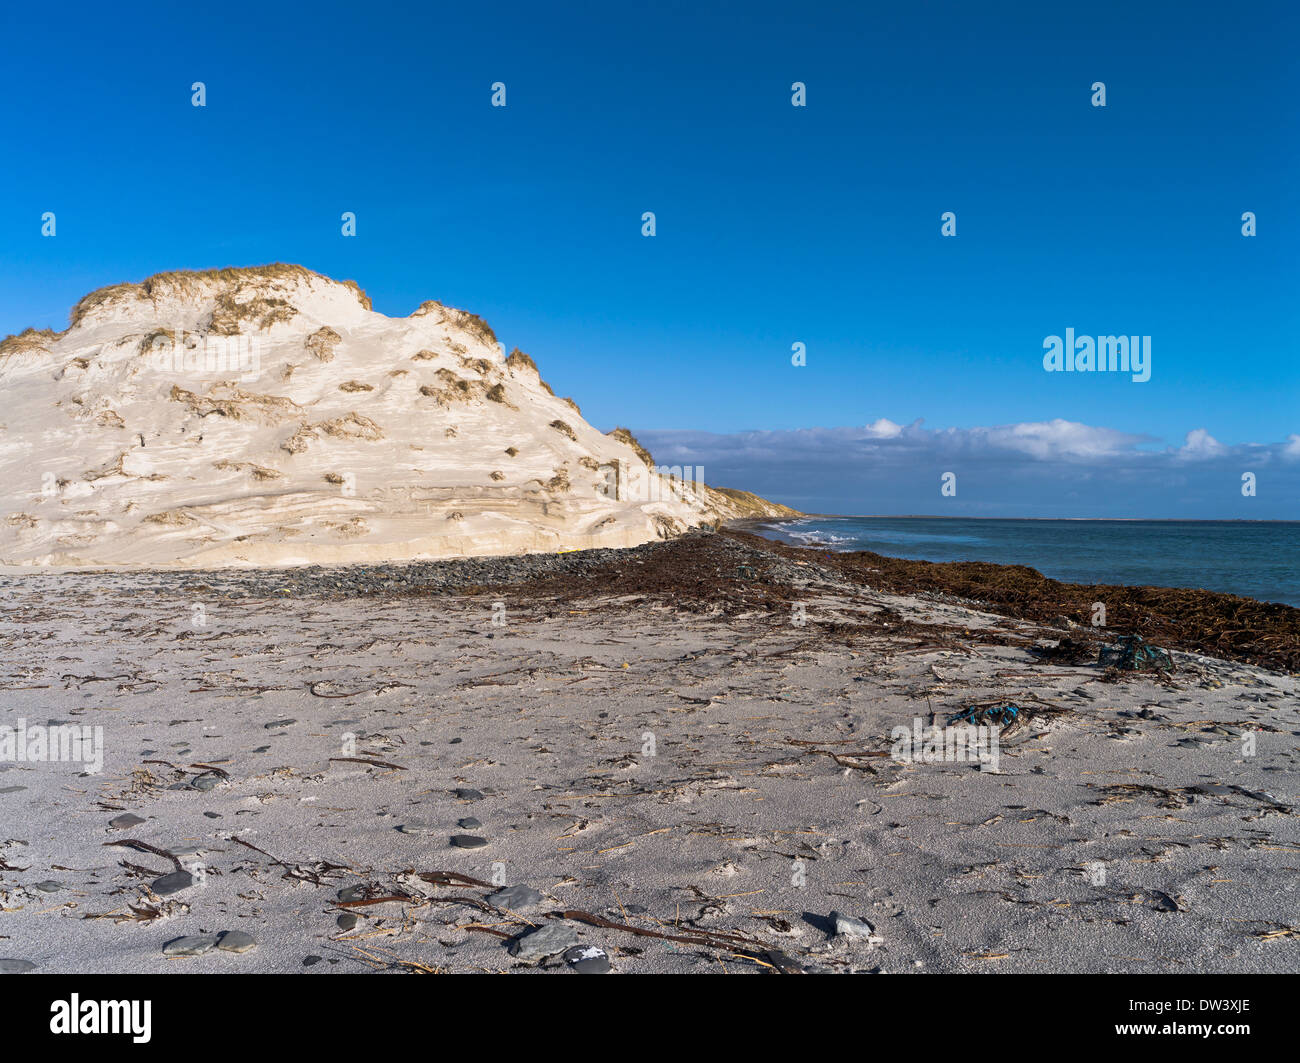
[[822, 538]]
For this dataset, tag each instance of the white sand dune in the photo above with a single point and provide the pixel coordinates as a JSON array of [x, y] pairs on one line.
[[268, 416]]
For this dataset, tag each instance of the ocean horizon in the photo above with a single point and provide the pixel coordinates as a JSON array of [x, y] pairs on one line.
[[1254, 559]]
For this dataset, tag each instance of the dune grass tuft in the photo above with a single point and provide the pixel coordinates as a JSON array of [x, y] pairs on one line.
[[258, 472], [627, 438], [32, 339], [322, 342], [519, 360], [190, 282]]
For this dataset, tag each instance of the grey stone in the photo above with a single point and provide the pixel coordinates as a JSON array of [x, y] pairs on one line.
[[468, 823], [548, 940], [468, 841], [587, 959], [205, 782], [278, 723], [352, 893], [419, 826], [311, 961], [49, 886], [469, 795], [515, 898], [195, 945], [9, 965], [236, 941], [173, 883], [11, 789], [855, 929], [783, 962], [346, 921], [129, 819]]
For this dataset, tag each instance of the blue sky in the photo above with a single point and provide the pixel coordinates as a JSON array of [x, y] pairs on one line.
[[775, 224]]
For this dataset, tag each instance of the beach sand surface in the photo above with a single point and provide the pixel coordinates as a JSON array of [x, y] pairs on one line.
[[713, 780]]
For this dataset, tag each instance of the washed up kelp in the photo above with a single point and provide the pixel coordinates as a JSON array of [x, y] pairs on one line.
[[1067, 651], [733, 572], [1195, 621]]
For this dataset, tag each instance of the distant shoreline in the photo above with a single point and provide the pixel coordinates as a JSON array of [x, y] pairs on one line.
[[1167, 554]]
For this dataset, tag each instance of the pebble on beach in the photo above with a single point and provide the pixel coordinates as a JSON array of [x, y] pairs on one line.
[[173, 883], [514, 898], [854, 929], [548, 940], [236, 941], [587, 959], [194, 945]]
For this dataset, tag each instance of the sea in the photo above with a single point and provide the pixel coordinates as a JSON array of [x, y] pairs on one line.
[[1257, 559]]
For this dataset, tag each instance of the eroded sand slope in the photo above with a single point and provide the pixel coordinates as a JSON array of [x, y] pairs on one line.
[[269, 416]]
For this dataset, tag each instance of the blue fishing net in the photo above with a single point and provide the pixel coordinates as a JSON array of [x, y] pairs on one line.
[[990, 714], [1135, 654]]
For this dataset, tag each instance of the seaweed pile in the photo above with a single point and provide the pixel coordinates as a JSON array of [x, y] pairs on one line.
[[1226, 626], [733, 572], [698, 573]]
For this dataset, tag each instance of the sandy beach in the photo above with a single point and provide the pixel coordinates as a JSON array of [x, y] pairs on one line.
[[685, 752]]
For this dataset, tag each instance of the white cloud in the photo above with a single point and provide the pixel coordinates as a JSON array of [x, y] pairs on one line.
[[1044, 440], [1032, 468], [1200, 445], [884, 428], [1059, 439]]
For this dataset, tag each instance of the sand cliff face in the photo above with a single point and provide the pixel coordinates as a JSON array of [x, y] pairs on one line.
[[270, 416]]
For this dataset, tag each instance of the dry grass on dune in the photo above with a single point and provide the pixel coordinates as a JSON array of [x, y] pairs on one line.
[[624, 436], [189, 282], [32, 339]]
